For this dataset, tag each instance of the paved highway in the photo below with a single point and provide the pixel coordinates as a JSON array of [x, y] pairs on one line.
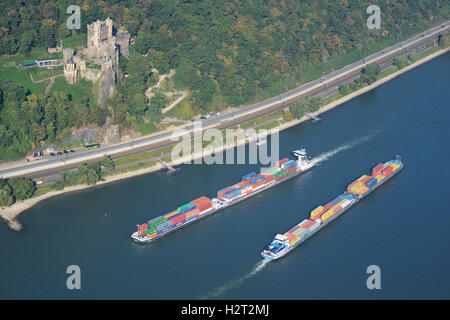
[[228, 119]]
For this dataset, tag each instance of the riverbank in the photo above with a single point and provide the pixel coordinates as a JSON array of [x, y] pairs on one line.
[[9, 214]]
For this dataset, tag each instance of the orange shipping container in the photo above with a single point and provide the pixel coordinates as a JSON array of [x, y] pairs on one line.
[[191, 213], [365, 179], [171, 214], [259, 183], [362, 190]]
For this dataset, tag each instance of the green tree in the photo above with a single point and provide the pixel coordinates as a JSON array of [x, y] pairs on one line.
[[22, 188], [398, 63], [299, 108], [63, 31], [6, 198], [142, 42], [89, 173], [138, 104], [370, 73], [26, 42], [159, 100], [344, 89], [107, 162]]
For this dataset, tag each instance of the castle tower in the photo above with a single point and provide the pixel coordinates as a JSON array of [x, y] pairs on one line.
[[123, 40], [70, 71], [70, 68]]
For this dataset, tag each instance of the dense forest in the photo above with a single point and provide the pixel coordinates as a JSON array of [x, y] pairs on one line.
[[227, 53]]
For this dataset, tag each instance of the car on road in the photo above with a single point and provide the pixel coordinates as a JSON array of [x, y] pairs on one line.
[[59, 153], [72, 151], [65, 151], [52, 154]]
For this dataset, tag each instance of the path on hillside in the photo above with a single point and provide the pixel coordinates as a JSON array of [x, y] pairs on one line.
[[50, 84], [149, 92]]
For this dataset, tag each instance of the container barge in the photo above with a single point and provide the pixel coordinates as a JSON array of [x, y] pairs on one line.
[[202, 207], [282, 244]]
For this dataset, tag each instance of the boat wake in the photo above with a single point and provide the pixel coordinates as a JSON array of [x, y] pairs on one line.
[[238, 282], [327, 155]]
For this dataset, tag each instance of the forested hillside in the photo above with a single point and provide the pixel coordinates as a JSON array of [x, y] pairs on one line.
[[227, 53]]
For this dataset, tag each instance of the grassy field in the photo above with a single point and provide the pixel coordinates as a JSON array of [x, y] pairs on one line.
[[82, 88], [142, 156], [44, 73], [145, 128], [21, 77], [254, 122], [183, 110]]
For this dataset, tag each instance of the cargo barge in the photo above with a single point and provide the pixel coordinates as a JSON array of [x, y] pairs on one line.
[[282, 244], [250, 185]]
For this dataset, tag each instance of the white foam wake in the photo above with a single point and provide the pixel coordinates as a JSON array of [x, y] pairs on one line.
[[237, 282], [327, 155]]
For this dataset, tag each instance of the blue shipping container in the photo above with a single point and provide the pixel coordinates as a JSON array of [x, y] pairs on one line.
[[347, 197], [305, 234], [232, 193], [371, 183], [257, 179], [221, 190], [248, 176], [290, 164], [188, 208]]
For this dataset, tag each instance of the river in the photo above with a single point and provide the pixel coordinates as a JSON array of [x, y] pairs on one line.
[[401, 227]]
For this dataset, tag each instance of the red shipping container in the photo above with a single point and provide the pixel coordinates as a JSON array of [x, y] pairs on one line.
[[377, 169], [291, 236], [242, 183], [387, 171], [204, 206], [200, 200], [142, 227], [308, 224], [269, 178], [179, 218], [294, 229], [327, 207], [291, 169], [280, 162]]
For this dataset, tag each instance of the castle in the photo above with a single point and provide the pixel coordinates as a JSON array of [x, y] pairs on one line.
[[102, 52]]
